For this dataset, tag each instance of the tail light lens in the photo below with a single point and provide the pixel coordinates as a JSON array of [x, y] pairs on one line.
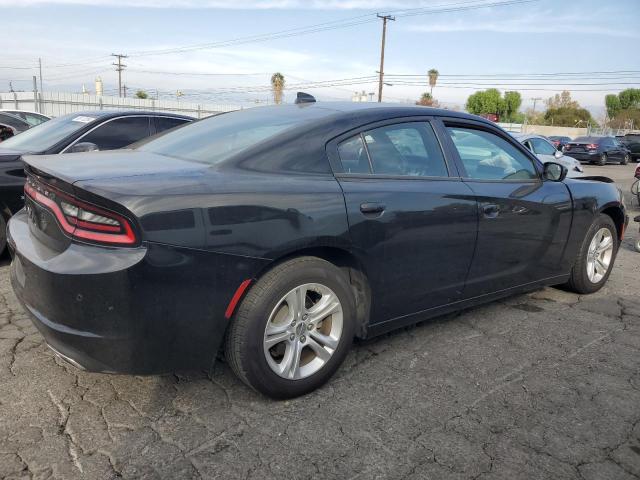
[[592, 146], [82, 220]]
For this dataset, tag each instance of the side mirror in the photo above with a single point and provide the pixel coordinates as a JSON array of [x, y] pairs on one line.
[[558, 154], [554, 172], [84, 147]]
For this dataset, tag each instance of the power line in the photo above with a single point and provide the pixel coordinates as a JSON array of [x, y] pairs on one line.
[[336, 24]]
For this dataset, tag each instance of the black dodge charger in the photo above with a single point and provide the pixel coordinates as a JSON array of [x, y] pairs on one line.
[[281, 233]]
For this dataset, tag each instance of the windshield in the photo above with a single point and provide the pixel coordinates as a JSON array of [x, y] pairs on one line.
[[218, 138], [47, 134]]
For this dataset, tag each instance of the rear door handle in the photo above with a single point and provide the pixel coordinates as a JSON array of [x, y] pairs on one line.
[[371, 208], [490, 210]]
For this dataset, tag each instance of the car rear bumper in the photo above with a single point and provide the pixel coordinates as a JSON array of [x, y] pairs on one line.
[[141, 310], [583, 156]]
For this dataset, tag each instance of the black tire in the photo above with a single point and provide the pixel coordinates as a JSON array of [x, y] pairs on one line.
[[579, 280], [625, 159], [3, 234], [244, 338], [603, 159]]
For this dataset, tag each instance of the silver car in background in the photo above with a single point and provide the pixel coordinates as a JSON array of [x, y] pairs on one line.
[[546, 152]]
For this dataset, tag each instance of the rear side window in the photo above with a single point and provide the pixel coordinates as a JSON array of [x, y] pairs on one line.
[[165, 123], [542, 147], [407, 149], [119, 133], [487, 156]]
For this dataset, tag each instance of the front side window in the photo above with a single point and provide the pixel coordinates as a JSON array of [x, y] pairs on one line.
[[407, 149], [119, 133], [542, 147], [487, 156]]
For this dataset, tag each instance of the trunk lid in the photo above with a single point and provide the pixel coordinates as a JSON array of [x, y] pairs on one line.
[[74, 167]]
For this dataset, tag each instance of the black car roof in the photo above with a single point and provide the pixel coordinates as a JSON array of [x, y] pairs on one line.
[[104, 114]]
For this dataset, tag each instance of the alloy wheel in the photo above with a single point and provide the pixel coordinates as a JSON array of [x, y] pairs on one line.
[[599, 255], [303, 331]]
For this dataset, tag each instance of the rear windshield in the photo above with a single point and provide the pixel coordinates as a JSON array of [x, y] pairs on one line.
[[47, 134], [218, 138], [588, 139]]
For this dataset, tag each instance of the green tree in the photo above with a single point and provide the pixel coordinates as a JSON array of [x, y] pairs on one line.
[[629, 98], [142, 94], [433, 78], [277, 87], [491, 102], [484, 102], [568, 117], [613, 105], [427, 100], [511, 104]]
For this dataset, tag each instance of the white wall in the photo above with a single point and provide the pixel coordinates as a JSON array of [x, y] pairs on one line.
[[54, 104]]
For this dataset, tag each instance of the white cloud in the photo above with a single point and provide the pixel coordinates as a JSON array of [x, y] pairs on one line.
[[541, 22]]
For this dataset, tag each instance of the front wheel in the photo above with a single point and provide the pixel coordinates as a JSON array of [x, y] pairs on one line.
[[596, 257], [293, 329]]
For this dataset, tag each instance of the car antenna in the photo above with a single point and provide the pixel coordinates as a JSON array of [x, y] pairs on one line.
[[302, 97]]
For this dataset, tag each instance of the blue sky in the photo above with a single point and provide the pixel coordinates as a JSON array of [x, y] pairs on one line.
[[543, 36]]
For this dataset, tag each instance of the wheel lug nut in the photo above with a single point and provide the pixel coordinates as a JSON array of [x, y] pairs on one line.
[[310, 327], [305, 316], [293, 323], [303, 339], [292, 337]]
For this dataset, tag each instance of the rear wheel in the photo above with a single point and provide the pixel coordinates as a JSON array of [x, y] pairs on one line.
[[293, 329], [596, 257], [603, 159], [625, 159]]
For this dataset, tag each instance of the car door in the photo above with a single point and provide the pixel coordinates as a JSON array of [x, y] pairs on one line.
[[523, 221], [412, 220], [117, 132]]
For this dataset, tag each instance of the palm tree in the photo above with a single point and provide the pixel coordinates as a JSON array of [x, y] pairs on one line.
[[277, 87], [433, 78]]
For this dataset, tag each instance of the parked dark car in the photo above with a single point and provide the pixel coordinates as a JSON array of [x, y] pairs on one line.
[[76, 132], [15, 124], [559, 141], [288, 230], [599, 150], [32, 118], [632, 142]]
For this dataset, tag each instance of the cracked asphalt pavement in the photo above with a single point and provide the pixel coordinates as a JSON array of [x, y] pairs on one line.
[[543, 385]]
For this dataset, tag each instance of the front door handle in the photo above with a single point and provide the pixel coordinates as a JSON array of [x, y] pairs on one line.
[[370, 208], [490, 210]]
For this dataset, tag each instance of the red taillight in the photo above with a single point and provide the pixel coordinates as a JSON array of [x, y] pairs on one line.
[[81, 220], [592, 146]]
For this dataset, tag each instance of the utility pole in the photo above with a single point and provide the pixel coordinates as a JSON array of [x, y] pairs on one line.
[[384, 18], [124, 91], [119, 68], [40, 68], [535, 99]]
